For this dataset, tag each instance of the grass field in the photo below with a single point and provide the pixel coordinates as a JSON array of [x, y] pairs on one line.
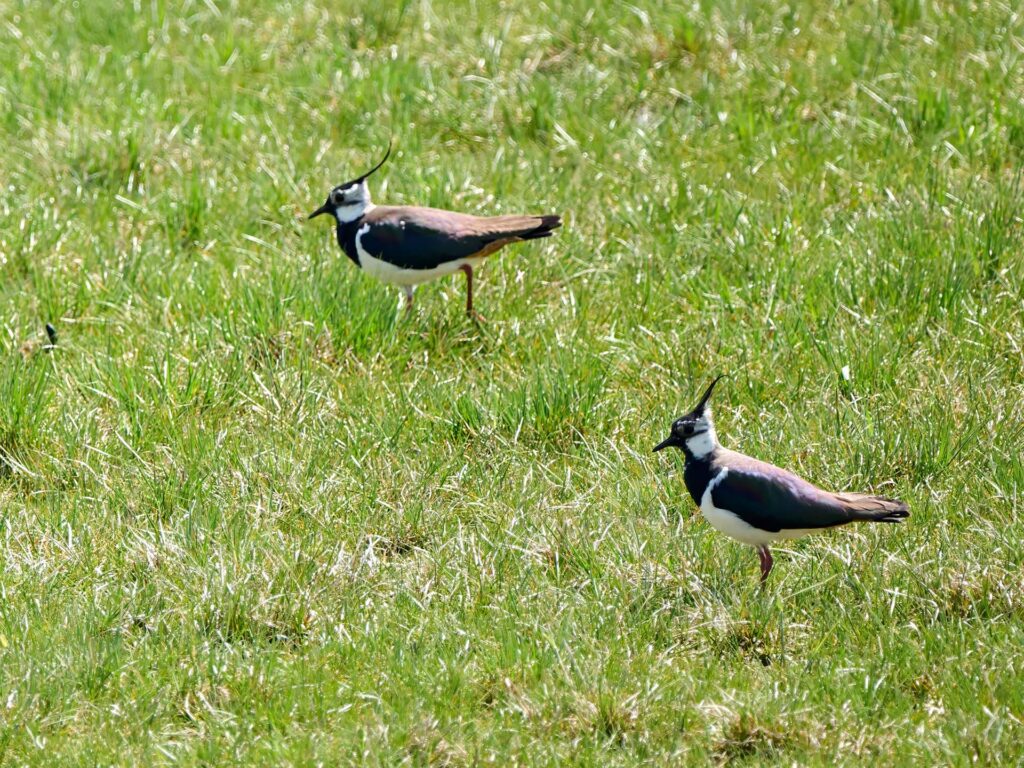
[[252, 514]]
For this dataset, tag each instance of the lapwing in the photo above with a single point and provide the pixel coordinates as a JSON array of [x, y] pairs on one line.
[[409, 245], [758, 503]]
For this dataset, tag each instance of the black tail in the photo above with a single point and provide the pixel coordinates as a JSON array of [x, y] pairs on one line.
[[547, 224], [874, 509], [896, 516]]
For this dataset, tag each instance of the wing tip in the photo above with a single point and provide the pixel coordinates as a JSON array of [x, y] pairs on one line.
[[551, 221], [548, 223], [893, 516]]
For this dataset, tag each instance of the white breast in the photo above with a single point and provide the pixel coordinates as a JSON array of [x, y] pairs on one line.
[[389, 273], [731, 525]]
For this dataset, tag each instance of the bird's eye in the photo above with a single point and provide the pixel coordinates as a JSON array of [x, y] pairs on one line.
[[337, 197], [687, 429]]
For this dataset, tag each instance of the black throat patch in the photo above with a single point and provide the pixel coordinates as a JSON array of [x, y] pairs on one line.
[[697, 474], [347, 239]]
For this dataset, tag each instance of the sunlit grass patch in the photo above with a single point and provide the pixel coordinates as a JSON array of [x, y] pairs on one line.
[[253, 512]]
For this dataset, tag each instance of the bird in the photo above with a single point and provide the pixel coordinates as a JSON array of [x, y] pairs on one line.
[[758, 503], [409, 245]]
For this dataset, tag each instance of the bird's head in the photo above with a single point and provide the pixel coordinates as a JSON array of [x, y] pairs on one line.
[[348, 201], [694, 432]]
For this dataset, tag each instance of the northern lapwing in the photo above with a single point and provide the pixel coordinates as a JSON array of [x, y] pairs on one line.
[[758, 503], [409, 245]]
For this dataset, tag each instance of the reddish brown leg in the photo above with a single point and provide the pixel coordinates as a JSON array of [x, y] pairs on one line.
[[469, 292], [766, 563], [408, 290]]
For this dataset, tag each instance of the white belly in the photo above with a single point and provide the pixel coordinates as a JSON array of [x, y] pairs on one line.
[[389, 273], [731, 525]]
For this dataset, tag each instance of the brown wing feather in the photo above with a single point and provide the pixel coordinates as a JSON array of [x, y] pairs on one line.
[[514, 227], [423, 238], [813, 504]]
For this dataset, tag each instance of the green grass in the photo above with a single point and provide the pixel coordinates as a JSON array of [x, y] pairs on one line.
[[251, 514]]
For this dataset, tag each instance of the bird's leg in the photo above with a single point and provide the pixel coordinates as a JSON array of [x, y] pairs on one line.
[[766, 563], [408, 291], [469, 288], [469, 292]]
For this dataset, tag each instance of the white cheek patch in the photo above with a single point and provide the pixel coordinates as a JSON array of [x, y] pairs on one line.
[[346, 214], [701, 445], [355, 203]]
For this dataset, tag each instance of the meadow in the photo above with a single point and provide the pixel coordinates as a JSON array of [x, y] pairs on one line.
[[252, 514]]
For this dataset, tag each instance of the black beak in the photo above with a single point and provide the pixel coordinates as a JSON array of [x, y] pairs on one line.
[[668, 442], [325, 208]]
